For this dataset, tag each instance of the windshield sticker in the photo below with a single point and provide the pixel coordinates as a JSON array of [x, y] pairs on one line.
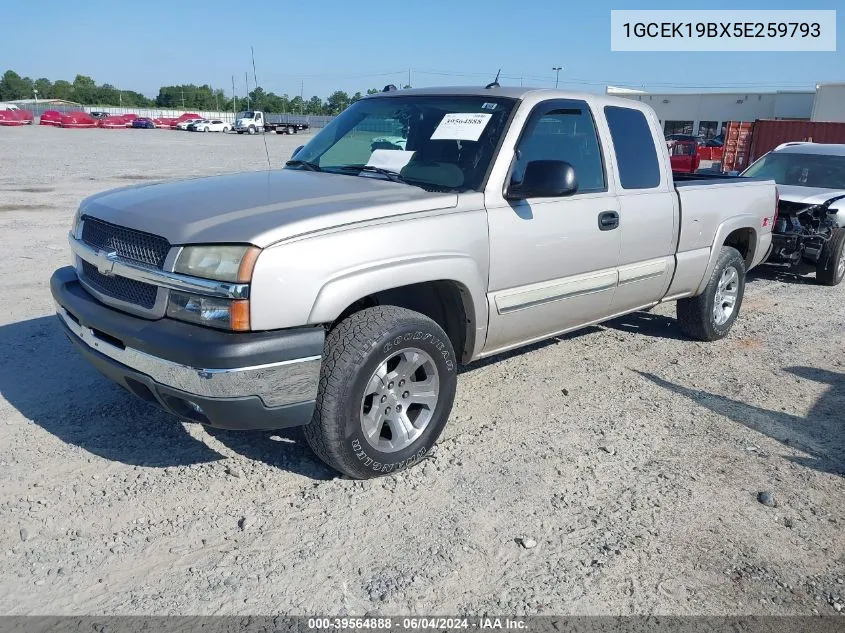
[[461, 126], [488, 106], [390, 159]]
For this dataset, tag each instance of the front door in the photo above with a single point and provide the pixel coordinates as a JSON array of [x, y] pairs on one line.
[[553, 260]]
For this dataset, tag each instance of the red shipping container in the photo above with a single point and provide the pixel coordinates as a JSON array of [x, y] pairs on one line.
[[737, 144], [768, 134]]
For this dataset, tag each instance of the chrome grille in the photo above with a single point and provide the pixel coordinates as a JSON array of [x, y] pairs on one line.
[[137, 246], [120, 288]]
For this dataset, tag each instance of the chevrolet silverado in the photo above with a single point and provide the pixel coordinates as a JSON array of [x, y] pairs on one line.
[[341, 292]]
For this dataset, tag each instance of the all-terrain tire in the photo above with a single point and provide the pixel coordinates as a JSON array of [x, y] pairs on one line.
[[697, 315], [357, 347], [831, 267]]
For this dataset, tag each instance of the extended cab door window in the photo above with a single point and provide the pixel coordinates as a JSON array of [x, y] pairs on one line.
[[564, 130], [633, 144]]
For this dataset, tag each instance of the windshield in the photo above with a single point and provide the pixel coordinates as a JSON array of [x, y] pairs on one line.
[[248, 114], [439, 143], [803, 170]]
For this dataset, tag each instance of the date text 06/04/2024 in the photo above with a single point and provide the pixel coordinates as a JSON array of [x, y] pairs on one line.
[[417, 623]]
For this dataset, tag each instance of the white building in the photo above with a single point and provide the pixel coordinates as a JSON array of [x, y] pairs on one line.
[[829, 104], [705, 113]]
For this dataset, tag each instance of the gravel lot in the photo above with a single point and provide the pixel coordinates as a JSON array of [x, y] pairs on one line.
[[613, 471]]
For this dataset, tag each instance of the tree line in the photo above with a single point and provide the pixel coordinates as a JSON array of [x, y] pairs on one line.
[[86, 91]]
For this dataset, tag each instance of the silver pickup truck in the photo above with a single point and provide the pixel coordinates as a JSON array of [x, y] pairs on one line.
[[420, 230]]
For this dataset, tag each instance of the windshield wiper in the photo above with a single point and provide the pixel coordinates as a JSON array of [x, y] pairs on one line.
[[303, 163], [390, 175]]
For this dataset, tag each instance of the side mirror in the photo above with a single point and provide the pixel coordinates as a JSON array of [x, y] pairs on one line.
[[296, 151], [544, 179]]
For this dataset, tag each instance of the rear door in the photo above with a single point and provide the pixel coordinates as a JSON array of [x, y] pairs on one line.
[[552, 261], [649, 210]]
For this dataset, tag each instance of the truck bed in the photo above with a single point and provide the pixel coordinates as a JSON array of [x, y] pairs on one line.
[[703, 206], [683, 180]]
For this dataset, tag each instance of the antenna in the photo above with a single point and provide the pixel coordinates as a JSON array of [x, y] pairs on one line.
[[264, 134], [495, 82]]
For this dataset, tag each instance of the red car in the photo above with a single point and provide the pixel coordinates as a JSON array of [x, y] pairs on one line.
[[50, 117], [164, 121], [184, 117], [24, 115], [78, 120], [684, 156], [11, 118], [113, 122]]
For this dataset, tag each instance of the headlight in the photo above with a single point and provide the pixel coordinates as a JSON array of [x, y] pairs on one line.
[[226, 314], [218, 262], [74, 229]]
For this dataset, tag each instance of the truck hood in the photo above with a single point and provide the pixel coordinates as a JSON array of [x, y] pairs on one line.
[[811, 195], [258, 208]]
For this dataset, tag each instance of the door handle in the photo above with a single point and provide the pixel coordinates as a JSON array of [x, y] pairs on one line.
[[608, 220]]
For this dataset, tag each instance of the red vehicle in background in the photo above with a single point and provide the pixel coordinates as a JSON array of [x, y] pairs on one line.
[[684, 156], [78, 120], [184, 117], [50, 117], [14, 118], [113, 122], [25, 115]]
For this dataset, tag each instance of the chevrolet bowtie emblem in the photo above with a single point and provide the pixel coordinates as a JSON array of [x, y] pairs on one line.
[[105, 262]]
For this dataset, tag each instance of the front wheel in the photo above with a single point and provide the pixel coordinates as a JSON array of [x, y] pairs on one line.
[[387, 385], [710, 315], [831, 266], [251, 129]]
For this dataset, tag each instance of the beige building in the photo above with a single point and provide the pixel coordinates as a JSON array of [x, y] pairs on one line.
[[705, 113]]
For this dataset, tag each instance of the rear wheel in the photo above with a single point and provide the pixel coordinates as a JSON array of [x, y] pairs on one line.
[[710, 315], [387, 385], [831, 267]]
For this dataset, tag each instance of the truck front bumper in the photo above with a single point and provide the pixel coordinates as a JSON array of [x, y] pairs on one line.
[[257, 380]]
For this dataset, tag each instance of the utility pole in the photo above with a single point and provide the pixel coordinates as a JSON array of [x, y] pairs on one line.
[[409, 77], [246, 79], [557, 70], [234, 98], [301, 95]]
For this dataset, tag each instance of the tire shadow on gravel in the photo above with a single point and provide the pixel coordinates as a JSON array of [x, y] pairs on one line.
[[821, 434], [48, 382]]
